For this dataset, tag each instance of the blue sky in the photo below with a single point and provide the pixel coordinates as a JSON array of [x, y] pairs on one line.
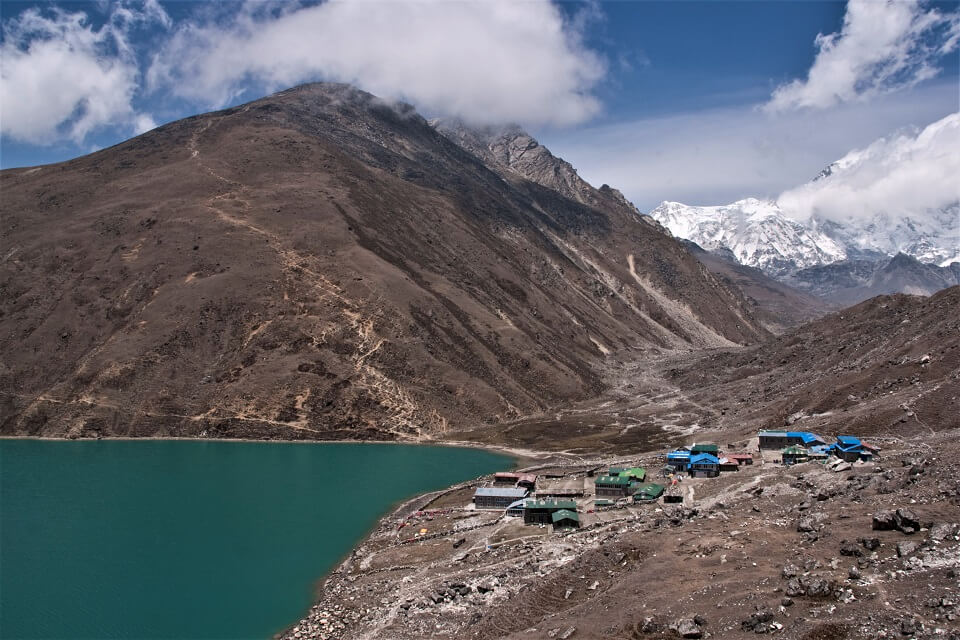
[[702, 102]]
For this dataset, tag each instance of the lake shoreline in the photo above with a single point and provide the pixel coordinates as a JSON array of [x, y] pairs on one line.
[[519, 454], [315, 582]]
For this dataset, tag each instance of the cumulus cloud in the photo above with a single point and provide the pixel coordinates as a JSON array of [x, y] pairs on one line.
[[914, 173], [486, 62], [716, 156], [61, 76], [882, 46]]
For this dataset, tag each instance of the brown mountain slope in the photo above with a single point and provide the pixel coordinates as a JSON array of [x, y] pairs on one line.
[[779, 305], [320, 264], [888, 365]]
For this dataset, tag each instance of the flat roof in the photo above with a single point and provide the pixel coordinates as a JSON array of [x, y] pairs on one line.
[[618, 480], [773, 434], [501, 492], [848, 440]]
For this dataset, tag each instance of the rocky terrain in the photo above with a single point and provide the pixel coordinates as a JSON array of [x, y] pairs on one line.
[[778, 305], [851, 281], [322, 264], [805, 552], [801, 552]]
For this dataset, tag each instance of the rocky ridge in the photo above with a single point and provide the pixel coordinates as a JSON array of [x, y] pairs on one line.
[[323, 264]]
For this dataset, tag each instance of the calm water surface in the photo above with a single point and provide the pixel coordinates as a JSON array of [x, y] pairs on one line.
[[191, 539]]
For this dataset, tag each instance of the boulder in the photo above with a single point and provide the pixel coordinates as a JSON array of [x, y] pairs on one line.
[[905, 548], [870, 544], [884, 521], [906, 521], [816, 587], [687, 628]]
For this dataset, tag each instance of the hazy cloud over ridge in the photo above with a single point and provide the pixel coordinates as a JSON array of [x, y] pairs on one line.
[[882, 47], [487, 62], [912, 173]]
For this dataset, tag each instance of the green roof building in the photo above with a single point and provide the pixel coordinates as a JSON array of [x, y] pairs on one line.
[[634, 473], [565, 519], [712, 449], [541, 511], [612, 486], [647, 491]]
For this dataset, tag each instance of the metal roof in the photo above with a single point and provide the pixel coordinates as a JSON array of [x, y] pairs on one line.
[[773, 434], [616, 480], [848, 440], [501, 492], [795, 450], [514, 505], [551, 504], [650, 489], [636, 472], [704, 458], [565, 514], [704, 447]]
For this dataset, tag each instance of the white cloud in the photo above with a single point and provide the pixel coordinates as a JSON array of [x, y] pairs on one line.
[[60, 76], [483, 61], [910, 174], [882, 46], [717, 156]]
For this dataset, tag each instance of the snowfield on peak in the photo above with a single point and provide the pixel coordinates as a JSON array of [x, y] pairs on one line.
[[756, 231]]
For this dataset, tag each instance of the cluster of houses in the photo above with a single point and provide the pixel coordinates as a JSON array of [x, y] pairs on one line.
[[513, 494], [517, 494], [705, 460], [617, 484], [555, 504], [801, 446]]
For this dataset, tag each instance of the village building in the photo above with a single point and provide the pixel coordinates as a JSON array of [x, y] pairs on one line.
[[515, 509], [603, 503], [505, 479], [741, 458], [615, 471], [781, 439], [705, 447], [794, 454], [565, 488], [726, 464], [497, 497], [678, 459], [541, 511], [565, 519], [612, 486], [704, 465], [527, 481], [634, 473], [851, 449], [647, 491]]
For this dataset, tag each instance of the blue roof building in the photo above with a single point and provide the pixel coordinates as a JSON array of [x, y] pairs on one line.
[[704, 465], [679, 459]]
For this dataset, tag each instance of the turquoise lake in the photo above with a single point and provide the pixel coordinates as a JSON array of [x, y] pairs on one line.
[[192, 539]]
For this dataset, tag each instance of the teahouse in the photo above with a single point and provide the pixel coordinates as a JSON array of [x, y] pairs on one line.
[[497, 497], [612, 486], [704, 465], [541, 511]]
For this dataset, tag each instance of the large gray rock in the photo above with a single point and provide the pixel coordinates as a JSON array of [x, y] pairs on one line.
[[884, 521], [687, 628]]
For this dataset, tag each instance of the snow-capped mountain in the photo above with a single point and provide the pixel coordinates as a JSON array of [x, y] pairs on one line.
[[756, 232], [897, 195]]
